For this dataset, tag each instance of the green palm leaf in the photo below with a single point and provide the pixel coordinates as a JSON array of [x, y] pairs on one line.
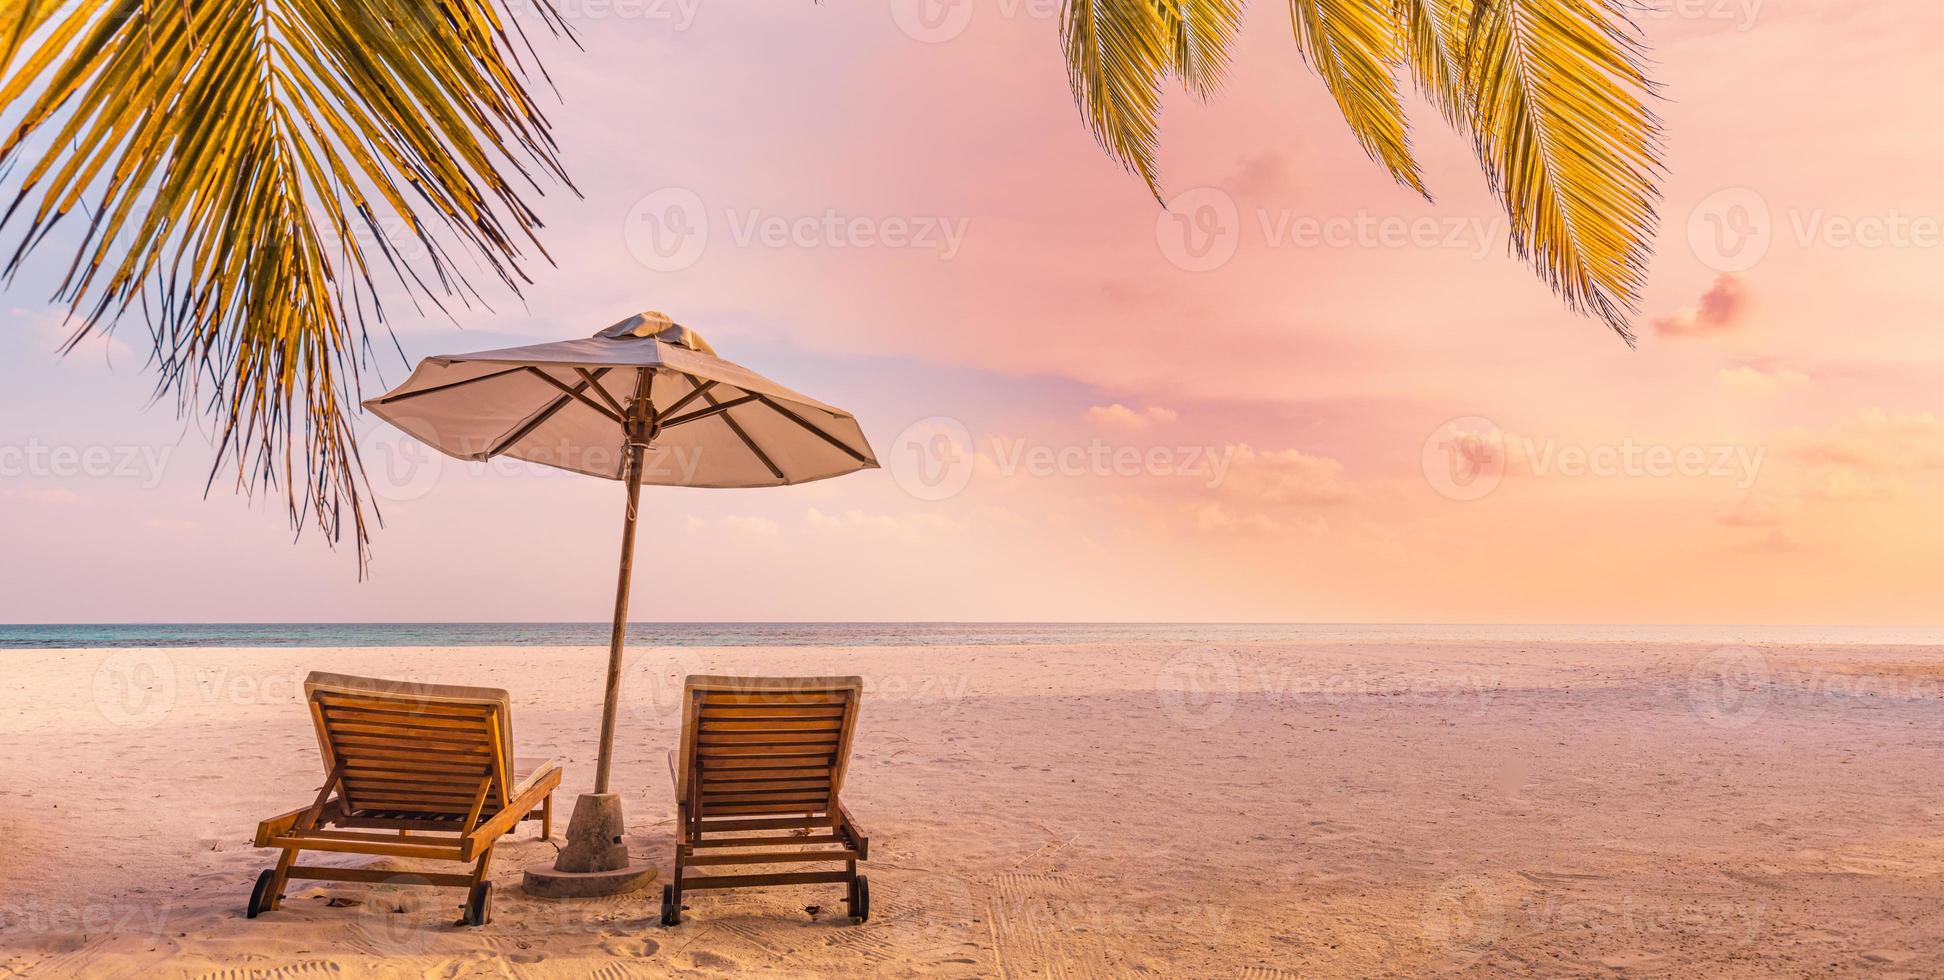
[[247, 171]]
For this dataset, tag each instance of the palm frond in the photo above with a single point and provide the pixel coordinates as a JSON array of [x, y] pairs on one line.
[[1117, 52], [1357, 48], [1202, 33], [1435, 33], [248, 170], [1558, 94]]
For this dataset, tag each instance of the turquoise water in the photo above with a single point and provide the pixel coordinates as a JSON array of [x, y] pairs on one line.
[[73, 636]]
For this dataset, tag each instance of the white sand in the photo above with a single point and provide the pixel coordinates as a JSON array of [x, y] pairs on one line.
[[1300, 810]]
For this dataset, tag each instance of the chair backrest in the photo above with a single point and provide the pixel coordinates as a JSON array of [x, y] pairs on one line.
[[766, 744], [416, 750]]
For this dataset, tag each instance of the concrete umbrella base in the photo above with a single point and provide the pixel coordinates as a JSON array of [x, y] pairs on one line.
[[595, 863]]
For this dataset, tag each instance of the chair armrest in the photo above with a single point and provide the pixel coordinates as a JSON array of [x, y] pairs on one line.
[[515, 811], [277, 825]]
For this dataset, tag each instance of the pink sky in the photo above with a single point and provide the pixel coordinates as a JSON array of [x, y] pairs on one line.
[[1773, 452]]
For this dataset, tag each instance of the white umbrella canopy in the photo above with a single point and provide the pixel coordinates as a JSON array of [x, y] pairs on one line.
[[644, 401], [567, 404]]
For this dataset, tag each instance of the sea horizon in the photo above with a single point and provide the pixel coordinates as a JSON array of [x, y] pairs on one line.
[[756, 633]]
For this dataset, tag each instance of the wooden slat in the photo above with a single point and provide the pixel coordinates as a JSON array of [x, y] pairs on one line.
[[715, 774], [320, 873], [822, 699], [767, 841], [429, 738], [770, 857], [405, 705], [757, 881], [394, 753], [772, 786], [404, 749], [762, 808], [405, 719], [770, 725], [807, 740], [773, 752], [418, 771], [766, 823], [310, 842], [795, 712]]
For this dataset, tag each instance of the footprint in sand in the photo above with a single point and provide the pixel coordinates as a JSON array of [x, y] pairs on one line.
[[309, 970]]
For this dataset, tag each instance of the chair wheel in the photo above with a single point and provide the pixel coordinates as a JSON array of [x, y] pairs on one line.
[[860, 899], [479, 904], [260, 896], [671, 910]]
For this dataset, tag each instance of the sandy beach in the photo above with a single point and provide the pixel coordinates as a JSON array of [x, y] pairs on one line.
[[1329, 809]]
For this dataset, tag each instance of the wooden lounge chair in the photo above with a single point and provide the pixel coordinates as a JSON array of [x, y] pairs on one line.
[[414, 771], [761, 755]]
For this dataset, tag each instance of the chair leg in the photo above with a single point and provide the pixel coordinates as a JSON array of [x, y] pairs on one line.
[[480, 869], [275, 899], [546, 818]]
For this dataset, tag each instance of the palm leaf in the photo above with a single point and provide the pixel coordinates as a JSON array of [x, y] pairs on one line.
[[1117, 52], [1356, 46], [1558, 111], [1201, 32], [1436, 32], [246, 170]]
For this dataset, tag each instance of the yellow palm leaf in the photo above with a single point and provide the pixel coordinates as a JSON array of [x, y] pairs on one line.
[[1558, 111], [1202, 33], [1356, 46], [246, 170], [1435, 33], [1117, 52]]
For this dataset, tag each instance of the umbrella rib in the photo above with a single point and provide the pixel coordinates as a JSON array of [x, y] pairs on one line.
[[576, 392], [537, 421], [594, 383], [388, 399], [747, 442], [806, 423], [715, 408], [691, 396]]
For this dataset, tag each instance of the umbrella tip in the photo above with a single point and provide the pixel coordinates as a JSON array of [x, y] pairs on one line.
[[660, 326]]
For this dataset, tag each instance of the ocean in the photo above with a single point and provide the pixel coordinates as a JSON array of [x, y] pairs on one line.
[[101, 635]]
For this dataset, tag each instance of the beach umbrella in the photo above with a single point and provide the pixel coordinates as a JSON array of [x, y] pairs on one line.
[[643, 401]]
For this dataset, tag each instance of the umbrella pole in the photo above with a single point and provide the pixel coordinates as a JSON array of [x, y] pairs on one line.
[[595, 861], [619, 640]]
